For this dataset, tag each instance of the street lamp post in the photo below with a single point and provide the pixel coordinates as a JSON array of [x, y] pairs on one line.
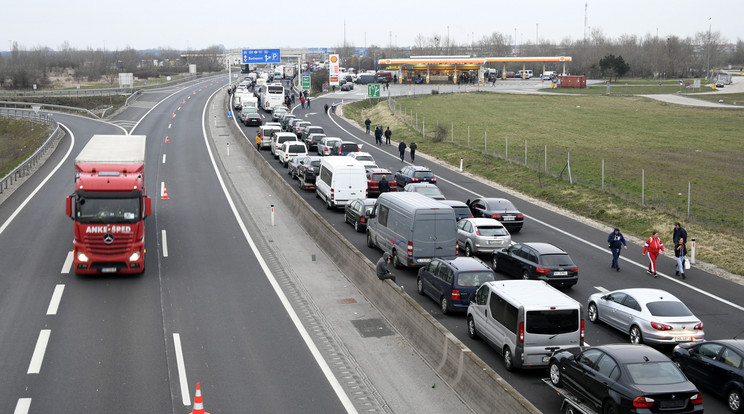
[[707, 71]]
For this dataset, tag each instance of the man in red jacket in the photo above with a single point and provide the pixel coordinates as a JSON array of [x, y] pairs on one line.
[[651, 249]]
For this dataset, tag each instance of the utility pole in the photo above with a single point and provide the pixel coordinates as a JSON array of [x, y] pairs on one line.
[[710, 23]]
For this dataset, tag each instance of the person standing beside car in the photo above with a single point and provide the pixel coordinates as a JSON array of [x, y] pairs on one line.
[[258, 140], [680, 251], [383, 185], [617, 242]]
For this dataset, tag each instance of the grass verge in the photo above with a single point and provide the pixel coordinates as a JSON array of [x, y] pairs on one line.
[[673, 145], [18, 142]]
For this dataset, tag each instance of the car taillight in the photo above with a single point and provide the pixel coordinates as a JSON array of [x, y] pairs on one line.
[[698, 327], [542, 270], [521, 332], [414, 179], [455, 295], [496, 216], [582, 332], [362, 219], [457, 248], [433, 179], [520, 216], [696, 399], [477, 232], [575, 269], [410, 249], [660, 326], [643, 402]]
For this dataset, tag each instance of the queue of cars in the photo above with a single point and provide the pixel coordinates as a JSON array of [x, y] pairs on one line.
[[530, 322]]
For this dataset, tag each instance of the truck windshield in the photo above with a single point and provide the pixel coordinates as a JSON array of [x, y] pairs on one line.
[[107, 210]]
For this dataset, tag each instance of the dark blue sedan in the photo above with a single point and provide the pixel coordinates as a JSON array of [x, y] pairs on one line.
[[452, 282]]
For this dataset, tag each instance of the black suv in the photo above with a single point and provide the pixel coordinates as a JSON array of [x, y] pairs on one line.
[[452, 282], [312, 129], [542, 261], [414, 174]]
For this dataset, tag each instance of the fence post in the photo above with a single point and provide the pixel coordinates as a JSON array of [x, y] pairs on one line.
[[525, 153], [452, 132], [603, 175], [468, 136], [506, 149], [643, 186], [688, 200], [485, 142], [568, 163], [423, 126], [546, 160]]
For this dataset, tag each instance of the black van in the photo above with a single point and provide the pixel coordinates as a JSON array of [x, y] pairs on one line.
[[366, 78]]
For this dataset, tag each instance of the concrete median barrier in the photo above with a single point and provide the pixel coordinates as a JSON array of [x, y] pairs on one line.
[[476, 383]]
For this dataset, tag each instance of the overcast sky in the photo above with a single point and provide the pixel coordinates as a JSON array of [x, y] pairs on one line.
[[319, 23]]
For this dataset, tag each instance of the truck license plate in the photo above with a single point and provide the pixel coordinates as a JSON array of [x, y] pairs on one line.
[[424, 260]]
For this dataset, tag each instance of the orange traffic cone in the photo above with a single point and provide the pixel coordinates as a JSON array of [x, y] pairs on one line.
[[184, 102], [165, 193], [174, 115], [198, 404], [166, 140], [194, 93]]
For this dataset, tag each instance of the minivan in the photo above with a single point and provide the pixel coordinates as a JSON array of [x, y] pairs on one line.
[[365, 78], [339, 180], [413, 228], [265, 133], [278, 138], [526, 321]]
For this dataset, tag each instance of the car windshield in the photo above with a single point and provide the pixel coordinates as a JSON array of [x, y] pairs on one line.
[[655, 373], [474, 279], [552, 322], [423, 174], [492, 231], [668, 308], [556, 260], [364, 158], [378, 177]]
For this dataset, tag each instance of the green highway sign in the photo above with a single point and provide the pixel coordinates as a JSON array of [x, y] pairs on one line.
[[306, 82], [373, 90]]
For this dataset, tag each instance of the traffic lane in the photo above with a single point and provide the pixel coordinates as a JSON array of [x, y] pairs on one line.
[[527, 382], [235, 332]]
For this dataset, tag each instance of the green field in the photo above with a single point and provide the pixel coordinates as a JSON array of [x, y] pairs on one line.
[[668, 144], [18, 142]]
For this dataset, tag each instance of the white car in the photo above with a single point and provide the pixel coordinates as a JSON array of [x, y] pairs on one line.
[[290, 149], [325, 145], [364, 158]]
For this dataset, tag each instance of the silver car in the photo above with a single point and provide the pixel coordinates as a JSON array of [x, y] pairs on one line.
[[650, 316], [481, 235]]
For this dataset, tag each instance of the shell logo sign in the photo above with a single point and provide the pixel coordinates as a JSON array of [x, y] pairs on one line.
[[387, 61], [334, 58]]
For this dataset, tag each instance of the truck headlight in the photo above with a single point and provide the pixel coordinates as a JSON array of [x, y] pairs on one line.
[[82, 257], [135, 256]]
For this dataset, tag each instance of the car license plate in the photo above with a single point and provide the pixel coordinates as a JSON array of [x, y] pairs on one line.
[[508, 217], [424, 260], [491, 241], [560, 273], [545, 359], [683, 339], [108, 270]]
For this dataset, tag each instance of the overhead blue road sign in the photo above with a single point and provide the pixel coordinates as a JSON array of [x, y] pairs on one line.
[[261, 56]]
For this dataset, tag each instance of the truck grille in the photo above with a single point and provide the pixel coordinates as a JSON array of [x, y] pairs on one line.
[[120, 245]]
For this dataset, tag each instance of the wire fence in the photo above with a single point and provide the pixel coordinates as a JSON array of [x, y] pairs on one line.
[[609, 170]]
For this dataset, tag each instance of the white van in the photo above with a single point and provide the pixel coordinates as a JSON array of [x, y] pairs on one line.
[[525, 74], [526, 321], [340, 180]]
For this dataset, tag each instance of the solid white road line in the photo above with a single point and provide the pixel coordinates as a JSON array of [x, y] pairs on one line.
[[23, 405], [38, 357], [56, 298], [577, 238], [41, 184], [185, 395], [67, 266], [163, 158], [165, 244], [343, 398]]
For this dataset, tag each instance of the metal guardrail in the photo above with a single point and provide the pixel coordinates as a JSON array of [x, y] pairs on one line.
[[26, 168], [11, 106]]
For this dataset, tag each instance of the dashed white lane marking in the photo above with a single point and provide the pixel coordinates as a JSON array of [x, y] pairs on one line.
[[38, 357], [67, 266], [23, 405], [56, 299], [165, 244]]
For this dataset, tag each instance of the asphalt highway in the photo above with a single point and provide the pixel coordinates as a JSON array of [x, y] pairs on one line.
[[713, 299]]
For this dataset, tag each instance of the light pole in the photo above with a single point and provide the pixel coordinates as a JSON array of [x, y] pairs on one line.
[[707, 71], [515, 40]]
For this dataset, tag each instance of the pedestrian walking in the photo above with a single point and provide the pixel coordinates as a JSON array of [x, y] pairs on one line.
[[333, 107], [413, 147], [367, 123], [382, 268], [402, 149], [292, 98], [616, 242], [258, 140], [680, 251], [307, 102], [325, 108], [384, 185], [302, 102], [651, 249], [388, 134], [378, 135]]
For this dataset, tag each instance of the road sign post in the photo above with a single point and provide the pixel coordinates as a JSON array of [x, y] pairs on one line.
[[373, 90]]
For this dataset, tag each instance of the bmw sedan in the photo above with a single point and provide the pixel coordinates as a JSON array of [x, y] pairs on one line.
[[500, 209], [715, 365], [625, 378], [542, 261], [650, 316]]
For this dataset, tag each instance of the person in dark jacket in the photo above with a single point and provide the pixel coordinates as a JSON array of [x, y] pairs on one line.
[[402, 149], [382, 268], [680, 251], [367, 123], [678, 232], [617, 242], [413, 147], [378, 135], [388, 134], [384, 185]]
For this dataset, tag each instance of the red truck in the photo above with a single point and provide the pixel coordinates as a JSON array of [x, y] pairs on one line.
[[109, 205]]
